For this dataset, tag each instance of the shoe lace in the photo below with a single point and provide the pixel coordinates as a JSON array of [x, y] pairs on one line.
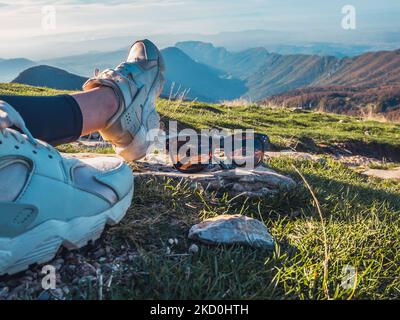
[[10, 117]]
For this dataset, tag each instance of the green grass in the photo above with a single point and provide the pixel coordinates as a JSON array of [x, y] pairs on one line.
[[361, 216], [362, 226], [74, 148], [286, 128], [21, 89]]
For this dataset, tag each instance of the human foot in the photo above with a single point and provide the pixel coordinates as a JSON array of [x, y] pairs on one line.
[[137, 83]]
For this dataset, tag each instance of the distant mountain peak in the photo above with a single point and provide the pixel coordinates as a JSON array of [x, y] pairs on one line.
[[9, 68], [51, 77]]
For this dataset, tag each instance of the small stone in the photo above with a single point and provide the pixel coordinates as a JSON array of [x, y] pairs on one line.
[[131, 257], [99, 253], [4, 292], [171, 241], [71, 268], [232, 229], [238, 187], [66, 290], [194, 248], [254, 181], [97, 265], [87, 269]]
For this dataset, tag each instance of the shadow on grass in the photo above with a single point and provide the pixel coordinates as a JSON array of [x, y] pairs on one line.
[[208, 108], [336, 198]]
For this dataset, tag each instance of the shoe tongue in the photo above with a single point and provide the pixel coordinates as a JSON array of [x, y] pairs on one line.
[[137, 53], [10, 117]]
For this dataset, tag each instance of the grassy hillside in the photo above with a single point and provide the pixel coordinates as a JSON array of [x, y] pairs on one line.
[[357, 228], [21, 89], [303, 130], [286, 128], [50, 77], [367, 83]]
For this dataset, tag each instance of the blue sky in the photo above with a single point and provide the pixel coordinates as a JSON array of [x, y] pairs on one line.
[[20, 20]]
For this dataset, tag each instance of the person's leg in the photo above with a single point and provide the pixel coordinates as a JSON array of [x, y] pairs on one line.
[[119, 103], [64, 118], [62, 200], [97, 106]]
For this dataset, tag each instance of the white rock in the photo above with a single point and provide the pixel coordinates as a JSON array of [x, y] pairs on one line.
[[232, 229], [193, 248]]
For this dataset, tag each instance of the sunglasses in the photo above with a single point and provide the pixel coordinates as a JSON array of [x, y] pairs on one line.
[[200, 152]]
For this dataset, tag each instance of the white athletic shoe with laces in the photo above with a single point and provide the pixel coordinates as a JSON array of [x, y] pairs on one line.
[[137, 83], [48, 200]]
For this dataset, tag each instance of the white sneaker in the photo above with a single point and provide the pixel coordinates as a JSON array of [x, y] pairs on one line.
[[137, 83], [48, 200]]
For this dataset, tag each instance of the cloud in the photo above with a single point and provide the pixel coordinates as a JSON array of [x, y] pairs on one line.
[[20, 20]]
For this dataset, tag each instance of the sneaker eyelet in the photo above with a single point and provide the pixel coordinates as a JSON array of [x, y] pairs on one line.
[[50, 156], [16, 147]]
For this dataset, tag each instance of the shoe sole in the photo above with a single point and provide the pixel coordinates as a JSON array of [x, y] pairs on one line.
[[41, 244]]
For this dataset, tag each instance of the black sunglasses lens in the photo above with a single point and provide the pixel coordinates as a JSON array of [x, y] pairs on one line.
[[190, 168], [189, 156], [249, 151]]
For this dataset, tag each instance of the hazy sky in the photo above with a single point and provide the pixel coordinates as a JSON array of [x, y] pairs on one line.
[[79, 20]]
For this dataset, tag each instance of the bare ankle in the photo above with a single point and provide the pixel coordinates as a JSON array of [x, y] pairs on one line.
[[98, 106], [111, 101]]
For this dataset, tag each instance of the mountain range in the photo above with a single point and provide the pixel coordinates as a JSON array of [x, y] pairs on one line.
[[199, 70], [345, 85], [51, 45], [9, 68], [369, 80], [184, 78], [264, 73], [51, 77], [197, 80]]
